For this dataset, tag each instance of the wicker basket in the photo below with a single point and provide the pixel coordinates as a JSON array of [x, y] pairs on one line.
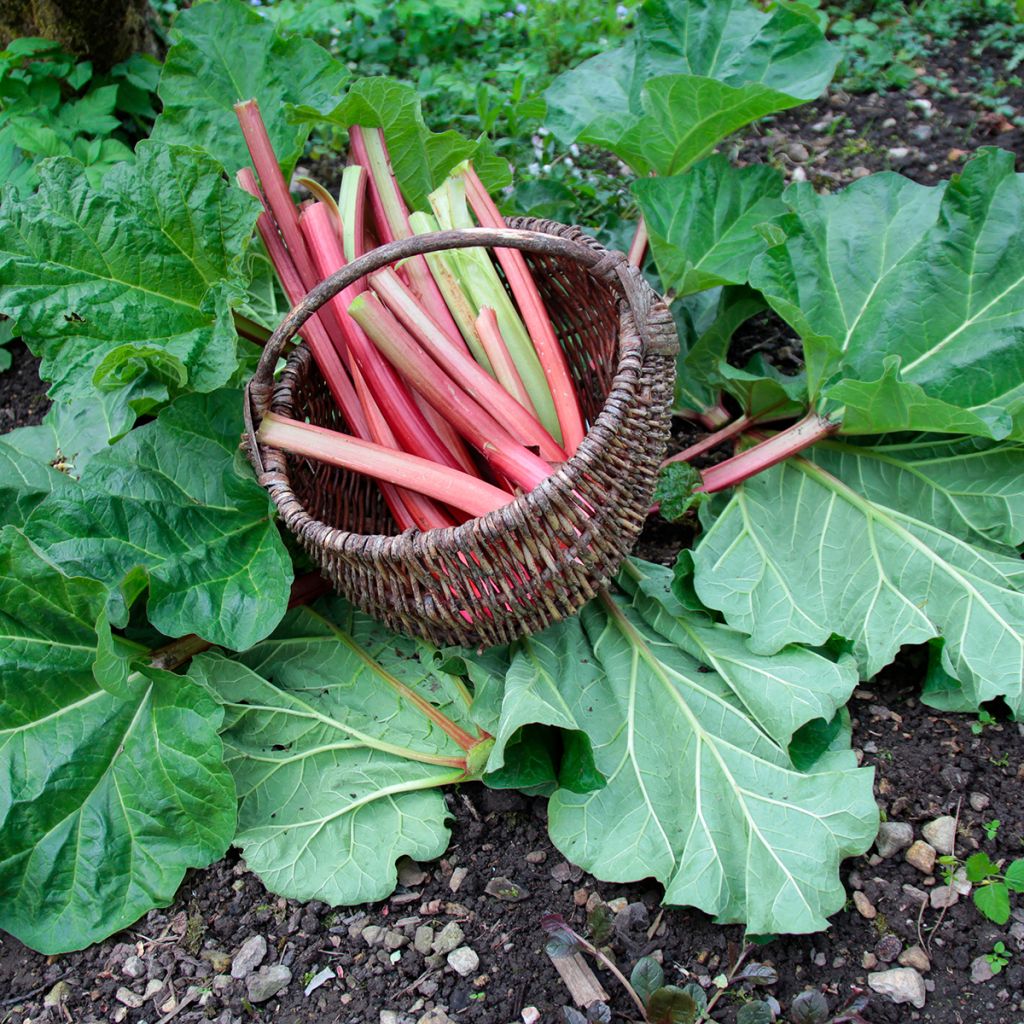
[[539, 559]]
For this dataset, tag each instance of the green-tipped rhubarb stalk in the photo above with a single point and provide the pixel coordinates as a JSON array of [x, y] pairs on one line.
[[352, 202], [392, 218], [445, 273]]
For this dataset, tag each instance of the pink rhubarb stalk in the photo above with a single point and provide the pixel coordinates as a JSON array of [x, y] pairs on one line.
[[500, 358], [535, 317], [507, 408], [769, 452], [451, 486], [411, 429], [477, 425]]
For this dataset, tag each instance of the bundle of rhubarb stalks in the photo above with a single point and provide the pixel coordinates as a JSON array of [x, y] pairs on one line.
[[457, 395]]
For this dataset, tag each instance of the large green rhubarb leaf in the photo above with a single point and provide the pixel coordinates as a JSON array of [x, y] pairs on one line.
[[105, 800], [707, 226], [338, 770], [703, 795], [224, 53], [884, 546], [914, 325], [170, 507], [693, 72], [127, 289]]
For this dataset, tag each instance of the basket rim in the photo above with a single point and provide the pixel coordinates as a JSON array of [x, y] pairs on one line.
[[612, 271]]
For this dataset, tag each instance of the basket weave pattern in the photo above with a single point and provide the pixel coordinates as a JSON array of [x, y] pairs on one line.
[[539, 559]]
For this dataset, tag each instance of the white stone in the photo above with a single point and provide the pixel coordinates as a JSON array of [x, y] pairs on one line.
[[249, 957], [463, 961], [941, 833], [901, 985]]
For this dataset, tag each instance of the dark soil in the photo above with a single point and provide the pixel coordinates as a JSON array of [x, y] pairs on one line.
[[927, 764], [23, 400]]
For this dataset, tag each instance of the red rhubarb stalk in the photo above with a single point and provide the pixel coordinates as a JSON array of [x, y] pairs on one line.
[[466, 372], [769, 452], [408, 508], [276, 188], [324, 352], [451, 486], [639, 245], [413, 433], [535, 316], [477, 425]]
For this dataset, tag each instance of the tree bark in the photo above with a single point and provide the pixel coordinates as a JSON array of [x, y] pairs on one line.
[[103, 31]]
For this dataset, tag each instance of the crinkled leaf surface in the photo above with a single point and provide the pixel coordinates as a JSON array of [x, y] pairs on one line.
[[694, 72], [171, 507], [105, 801], [224, 53], [25, 477], [703, 225], [700, 794], [129, 285], [420, 158], [883, 547], [337, 774], [914, 325]]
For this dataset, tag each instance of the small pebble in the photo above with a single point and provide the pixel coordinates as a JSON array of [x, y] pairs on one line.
[[888, 948], [129, 998], [860, 171], [458, 877], [889, 122], [915, 957], [373, 934], [449, 938], [797, 152], [463, 961], [536, 857], [507, 890], [943, 896], [530, 1015], [941, 833], [423, 940], [921, 855], [864, 906], [899, 153], [57, 995], [981, 970], [978, 801], [134, 967], [267, 982], [249, 957], [921, 132], [869, 961], [893, 836], [435, 1016]]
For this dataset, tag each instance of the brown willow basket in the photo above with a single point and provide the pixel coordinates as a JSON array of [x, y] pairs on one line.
[[540, 558]]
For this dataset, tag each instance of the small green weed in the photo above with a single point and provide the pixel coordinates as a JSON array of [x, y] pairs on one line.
[[998, 958]]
